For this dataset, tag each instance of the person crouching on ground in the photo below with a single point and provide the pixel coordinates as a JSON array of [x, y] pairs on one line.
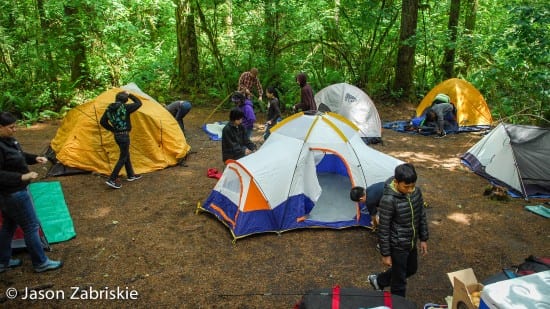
[[117, 120], [235, 142], [15, 201], [402, 224]]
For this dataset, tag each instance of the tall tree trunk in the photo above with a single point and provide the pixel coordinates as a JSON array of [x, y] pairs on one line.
[[271, 19], [212, 39], [407, 45], [187, 58], [450, 48], [469, 29], [79, 67]]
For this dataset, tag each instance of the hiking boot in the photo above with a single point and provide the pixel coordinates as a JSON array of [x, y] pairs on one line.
[[11, 264], [113, 184], [48, 265], [373, 280], [135, 177]]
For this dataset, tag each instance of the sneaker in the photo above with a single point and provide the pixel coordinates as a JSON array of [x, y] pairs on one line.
[[373, 280], [11, 264], [135, 177], [113, 184], [48, 265]]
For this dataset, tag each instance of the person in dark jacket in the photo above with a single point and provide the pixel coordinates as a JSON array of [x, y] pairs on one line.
[[235, 142], [15, 201], [402, 224], [273, 111], [122, 137], [307, 101]]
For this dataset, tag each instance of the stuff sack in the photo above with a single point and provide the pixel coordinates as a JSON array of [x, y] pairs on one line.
[[117, 113]]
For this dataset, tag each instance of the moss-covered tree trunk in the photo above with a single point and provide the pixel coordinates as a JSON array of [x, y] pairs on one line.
[[404, 70], [469, 29], [447, 66], [187, 57]]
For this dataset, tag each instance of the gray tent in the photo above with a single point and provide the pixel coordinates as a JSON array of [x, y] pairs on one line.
[[354, 104], [514, 156]]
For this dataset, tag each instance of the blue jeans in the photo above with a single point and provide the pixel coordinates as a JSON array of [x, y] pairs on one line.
[[185, 107], [404, 265], [18, 209], [123, 142]]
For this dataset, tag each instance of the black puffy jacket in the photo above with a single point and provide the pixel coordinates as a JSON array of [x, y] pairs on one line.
[[402, 220]]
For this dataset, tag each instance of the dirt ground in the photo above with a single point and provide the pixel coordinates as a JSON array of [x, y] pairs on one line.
[[147, 239]]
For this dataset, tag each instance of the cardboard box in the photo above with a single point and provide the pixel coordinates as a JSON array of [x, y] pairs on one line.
[[464, 284]]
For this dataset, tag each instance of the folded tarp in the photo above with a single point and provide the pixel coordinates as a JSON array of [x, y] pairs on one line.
[[52, 211], [214, 130]]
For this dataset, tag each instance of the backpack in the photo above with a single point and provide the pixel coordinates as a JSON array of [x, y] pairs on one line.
[[533, 264], [117, 113]]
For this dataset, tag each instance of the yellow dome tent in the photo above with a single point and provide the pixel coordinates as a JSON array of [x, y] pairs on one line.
[[471, 108], [156, 140]]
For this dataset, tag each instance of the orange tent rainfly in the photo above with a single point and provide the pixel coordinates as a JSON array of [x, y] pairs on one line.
[[472, 110], [82, 143]]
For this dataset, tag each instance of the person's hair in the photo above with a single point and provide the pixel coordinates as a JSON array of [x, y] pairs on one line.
[[237, 97], [254, 71], [356, 193], [405, 173], [273, 91], [236, 114], [122, 97], [431, 115], [301, 78], [7, 118]]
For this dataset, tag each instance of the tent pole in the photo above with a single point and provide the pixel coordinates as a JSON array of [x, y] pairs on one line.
[[215, 109]]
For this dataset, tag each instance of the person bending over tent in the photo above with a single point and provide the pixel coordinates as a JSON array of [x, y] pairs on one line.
[[441, 116], [117, 120], [369, 198], [235, 141], [179, 109]]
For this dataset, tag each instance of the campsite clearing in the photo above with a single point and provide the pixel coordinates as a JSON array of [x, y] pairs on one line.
[[146, 237]]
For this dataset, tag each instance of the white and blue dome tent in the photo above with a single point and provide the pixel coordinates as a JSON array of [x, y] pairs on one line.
[[299, 178]]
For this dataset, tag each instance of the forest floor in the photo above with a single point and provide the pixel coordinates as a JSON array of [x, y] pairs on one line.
[[148, 238]]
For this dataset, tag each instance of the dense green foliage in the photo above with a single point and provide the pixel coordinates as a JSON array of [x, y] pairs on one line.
[[58, 53]]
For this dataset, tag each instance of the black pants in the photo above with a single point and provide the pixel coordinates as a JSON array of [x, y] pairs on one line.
[[404, 265], [123, 142]]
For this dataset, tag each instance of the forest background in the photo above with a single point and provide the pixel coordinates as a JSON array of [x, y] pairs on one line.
[[56, 54]]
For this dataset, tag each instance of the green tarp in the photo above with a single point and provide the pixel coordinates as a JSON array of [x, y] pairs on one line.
[[52, 211]]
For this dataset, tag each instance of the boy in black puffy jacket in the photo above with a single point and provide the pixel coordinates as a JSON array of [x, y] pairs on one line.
[[402, 224]]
